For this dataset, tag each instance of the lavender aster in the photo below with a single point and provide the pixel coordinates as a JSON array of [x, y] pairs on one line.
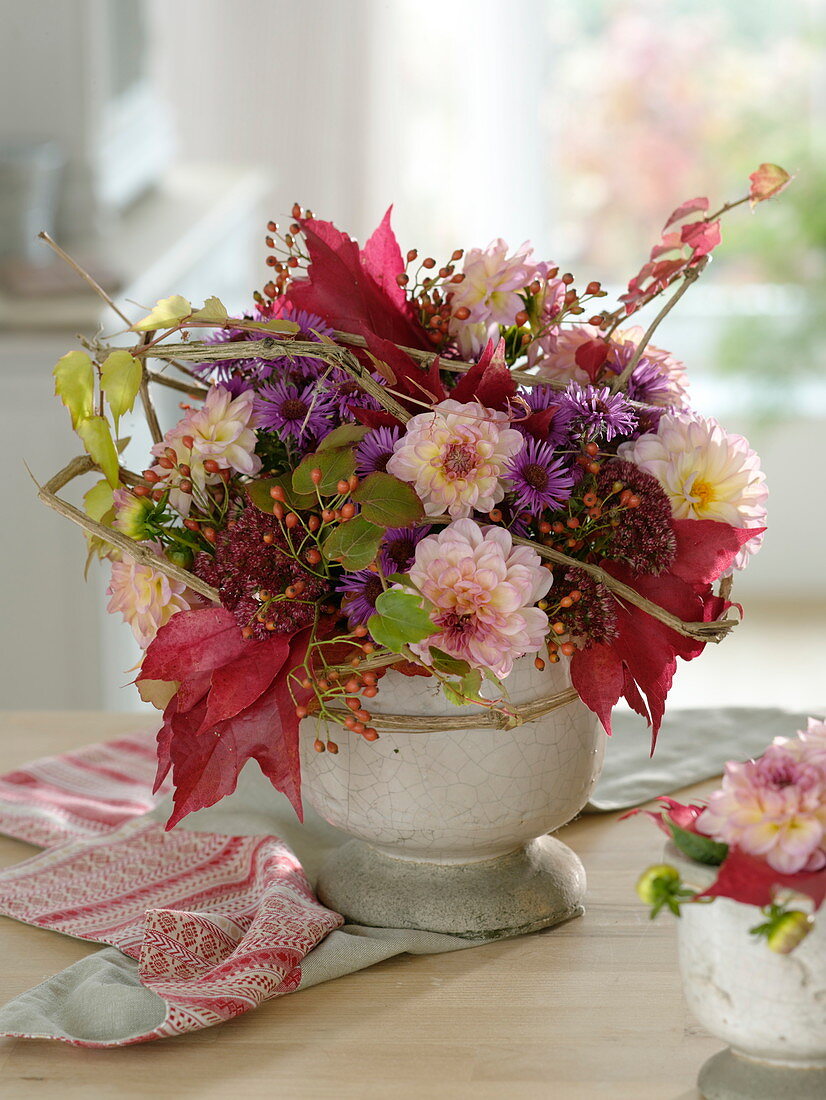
[[285, 409], [375, 449], [540, 399], [597, 413], [348, 394], [398, 547], [540, 479], [360, 591]]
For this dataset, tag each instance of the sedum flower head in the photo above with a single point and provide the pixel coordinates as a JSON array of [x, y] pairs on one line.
[[456, 457], [483, 589]]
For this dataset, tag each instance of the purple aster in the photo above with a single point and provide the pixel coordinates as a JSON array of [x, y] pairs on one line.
[[398, 547], [360, 592], [289, 411], [539, 399], [650, 386], [540, 479], [597, 413], [348, 394], [256, 369], [375, 449], [310, 328]]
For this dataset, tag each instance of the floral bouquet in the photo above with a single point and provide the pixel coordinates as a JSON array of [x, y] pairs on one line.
[[390, 462], [764, 833]]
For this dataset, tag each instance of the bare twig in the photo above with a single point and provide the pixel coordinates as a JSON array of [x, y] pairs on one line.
[[48, 495], [87, 278], [146, 397], [702, 632], [691, 276]]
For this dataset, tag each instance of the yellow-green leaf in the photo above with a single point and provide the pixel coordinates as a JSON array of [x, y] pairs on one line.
[[98, 501], [167, 313], [288, 327], [355, 543], [97, 439], [120, 380], [74, 384], [213, 310]]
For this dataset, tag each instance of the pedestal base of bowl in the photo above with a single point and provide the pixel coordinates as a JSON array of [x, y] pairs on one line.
[[539, 885], [732, 1076]]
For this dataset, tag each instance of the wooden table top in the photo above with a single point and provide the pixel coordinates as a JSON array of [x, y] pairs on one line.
[[586, 1011]]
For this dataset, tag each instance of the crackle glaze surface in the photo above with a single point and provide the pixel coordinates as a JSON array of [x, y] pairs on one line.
[[766, 1006], [457, 796]]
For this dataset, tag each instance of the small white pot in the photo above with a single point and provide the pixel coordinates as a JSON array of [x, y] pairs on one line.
[[446, 822], [769, 1008]]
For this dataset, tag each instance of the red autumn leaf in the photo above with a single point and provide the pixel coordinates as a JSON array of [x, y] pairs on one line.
[[683, 816], [192, 642], [767, 181], [236, 686], [538, 424], [706, 548], [597, 674], [690, 206], [752, 881], [376, 418], [633, 697], [702, 237], [207, 758], [669, 243], [489, 381], [591, 357], [382, 259], [410, 378], [341, 290]]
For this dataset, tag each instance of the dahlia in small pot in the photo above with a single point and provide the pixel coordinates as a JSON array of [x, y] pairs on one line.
[[746, 875]]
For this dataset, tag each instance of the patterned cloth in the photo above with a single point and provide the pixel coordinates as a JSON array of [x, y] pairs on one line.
[[217, 923]]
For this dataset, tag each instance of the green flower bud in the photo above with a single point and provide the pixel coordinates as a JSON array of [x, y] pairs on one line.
[[131, 515], [180, 555], [657, 883], [788, 930]]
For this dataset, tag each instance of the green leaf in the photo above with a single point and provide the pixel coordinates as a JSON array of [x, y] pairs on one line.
[[343, 436], [259, 493], [400, 620], [337, 464], [387, 501], [97, 439], [355, 543], [120, 380], [74, 384], [696, 846], [466, 690], [213, 310], [98, 501], [166, 314], [451, 666]]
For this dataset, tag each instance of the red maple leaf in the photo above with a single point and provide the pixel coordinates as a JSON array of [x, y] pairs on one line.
[[382, 259], [233, 705], [751, 880], [349, 289], [706, 548], [489, 381]]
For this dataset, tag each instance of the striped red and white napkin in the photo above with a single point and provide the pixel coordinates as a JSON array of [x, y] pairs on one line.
[[217, 924]]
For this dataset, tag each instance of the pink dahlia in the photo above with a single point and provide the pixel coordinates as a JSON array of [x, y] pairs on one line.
[[490, 291], [456, 457], [706, 473], [221, 430], [483, 589], [147, 600], [774, 807]]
